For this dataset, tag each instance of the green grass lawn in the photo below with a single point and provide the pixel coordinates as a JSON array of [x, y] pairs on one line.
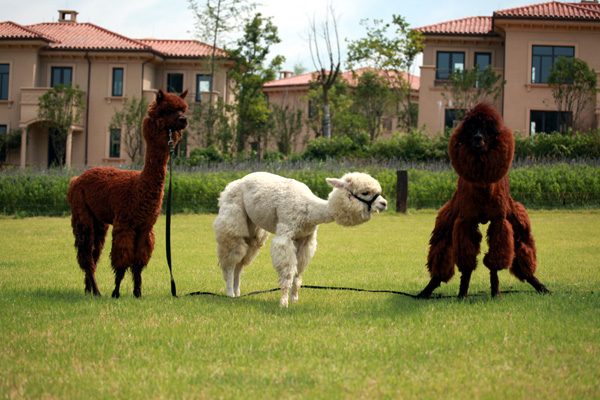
[[57, 342]]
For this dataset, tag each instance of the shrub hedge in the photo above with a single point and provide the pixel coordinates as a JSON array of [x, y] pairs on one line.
[[546, 185], [418, 146]]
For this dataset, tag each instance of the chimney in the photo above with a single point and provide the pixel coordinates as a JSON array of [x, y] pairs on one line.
[[67, 16], [285, 74]]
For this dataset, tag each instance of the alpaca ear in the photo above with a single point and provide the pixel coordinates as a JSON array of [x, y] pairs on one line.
[[339, 184], [160, 96], [182, 95]]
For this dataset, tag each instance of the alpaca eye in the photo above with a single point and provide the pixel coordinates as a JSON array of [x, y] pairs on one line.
[[365, 193]]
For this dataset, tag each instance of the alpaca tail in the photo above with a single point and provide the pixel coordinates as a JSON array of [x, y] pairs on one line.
[[70, 189]]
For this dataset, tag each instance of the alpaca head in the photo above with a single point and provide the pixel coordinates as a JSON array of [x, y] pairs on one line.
[[167, 113], [354, 198], [482, 147]]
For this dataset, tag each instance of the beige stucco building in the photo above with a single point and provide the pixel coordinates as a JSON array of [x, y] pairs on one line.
[[292, 90], [520, 44], [108, 68]]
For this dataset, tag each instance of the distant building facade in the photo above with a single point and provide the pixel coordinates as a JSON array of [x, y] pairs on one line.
[[292, 90], [108, 68], [521, 44]]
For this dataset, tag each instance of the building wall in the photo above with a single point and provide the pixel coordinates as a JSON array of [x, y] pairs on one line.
[[511, 56], [520, 95], [432, 104], [30, 77]]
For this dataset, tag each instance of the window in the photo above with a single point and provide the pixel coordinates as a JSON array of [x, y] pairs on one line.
[[452, 117], [115, 143], [483, 60], [3, 136], [202, 85], [175, 83], [61, 75], [548, 121], [448, 61], [117, 82], [544, 57], [4, 71]]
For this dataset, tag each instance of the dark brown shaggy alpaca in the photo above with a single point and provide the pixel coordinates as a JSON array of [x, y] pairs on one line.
[[129, 200], [481, 150]]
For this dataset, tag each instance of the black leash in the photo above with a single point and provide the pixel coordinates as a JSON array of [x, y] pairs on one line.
[[433, 296], [168, 233]]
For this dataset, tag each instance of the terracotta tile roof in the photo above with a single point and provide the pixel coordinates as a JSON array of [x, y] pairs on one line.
[[182, 48], [464, 26], [76, 36], [296, 80], [484, 25], [10, 30], [554, 10], [305, 79], [86, 36]]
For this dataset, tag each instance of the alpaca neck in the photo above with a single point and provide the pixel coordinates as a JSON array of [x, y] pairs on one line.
[[321, 213], [155, 168]]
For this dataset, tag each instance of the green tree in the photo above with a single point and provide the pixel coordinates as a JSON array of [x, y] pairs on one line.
[[393, 53], [215, 19], [467, 87], [344, 120], [212, 125], [130, 119], [59, 108], [250, 74], [374, 100], [573, 86], [286, 127], [9, 141], [325, 75]]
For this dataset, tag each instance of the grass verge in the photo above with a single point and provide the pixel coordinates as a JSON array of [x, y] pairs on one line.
[[59, 343]]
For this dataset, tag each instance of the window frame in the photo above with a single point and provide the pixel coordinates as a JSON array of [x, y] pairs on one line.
[[114, 92], [198, 82], [558, 116], [482, 53], [451, 65], [553, 57], [5, 82], [62, 69], [167, 80], [113, 143]]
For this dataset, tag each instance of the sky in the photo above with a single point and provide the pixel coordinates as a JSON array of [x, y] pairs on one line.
[[172, 19]]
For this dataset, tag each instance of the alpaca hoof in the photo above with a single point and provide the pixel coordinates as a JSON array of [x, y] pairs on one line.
[[137, 293], [116, 294], [423, 295], [283, 302]]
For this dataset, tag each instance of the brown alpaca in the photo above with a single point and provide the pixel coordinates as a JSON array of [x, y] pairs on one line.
[[481, 150], [129, 200]]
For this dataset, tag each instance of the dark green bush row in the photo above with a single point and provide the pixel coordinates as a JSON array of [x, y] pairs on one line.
[[418, 146], [555, 185]]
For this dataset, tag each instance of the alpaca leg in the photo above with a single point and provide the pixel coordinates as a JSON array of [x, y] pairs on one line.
[[258, 239], [524, 264], [231, 227], [230, 251], [83, 230], [119, 274], [466, 239], [136, 272], [283, 255], [501, 251], [306, 248], [440, 260], [121, 255], [143, 253]]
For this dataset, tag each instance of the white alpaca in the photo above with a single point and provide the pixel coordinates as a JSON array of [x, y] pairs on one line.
[[259, 203]]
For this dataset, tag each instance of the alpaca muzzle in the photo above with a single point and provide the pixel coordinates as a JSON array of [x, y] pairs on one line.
[[369, 203]]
